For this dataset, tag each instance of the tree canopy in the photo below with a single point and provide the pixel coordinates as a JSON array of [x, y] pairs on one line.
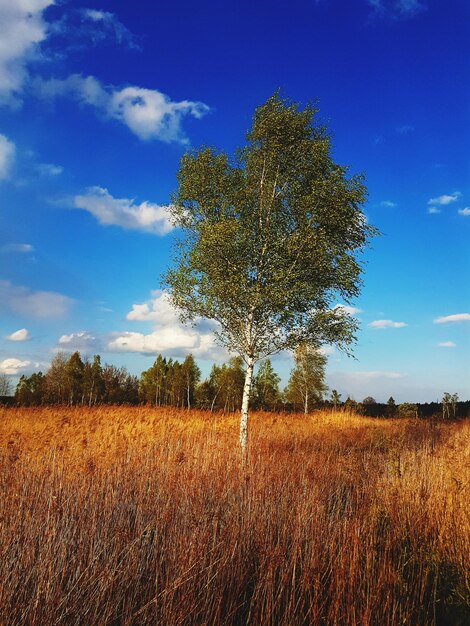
[[269, 238]]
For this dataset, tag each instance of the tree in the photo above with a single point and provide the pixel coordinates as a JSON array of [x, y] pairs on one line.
[[75, 369], [191, 375], [408, 409], [269, 239], [307, 380], [446, 402], [5, 386], [391, 407], [56, 381], [29, 390], [335, 398], [93, 384], [153, 381], [369, 400], [449, 403], [266, 385]]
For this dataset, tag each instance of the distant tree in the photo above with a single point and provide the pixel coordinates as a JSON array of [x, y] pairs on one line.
[[30, 390], [306, 384], [120, 387], [56, 381], [446, 404], [391, 407], [269, 239], [335, 398], [369, 400], [266, 383], [449, 405], [408, 409], [204, 394], [190, 374], [351, 406], [75, 369], [453, 403], [152, 386], [5, 385], [225, 384], [93, 383]]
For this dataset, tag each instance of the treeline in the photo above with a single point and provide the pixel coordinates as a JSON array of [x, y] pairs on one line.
[[448, 408], [75, 381]]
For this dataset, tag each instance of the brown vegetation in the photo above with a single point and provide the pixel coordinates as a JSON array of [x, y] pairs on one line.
[[143, 516]]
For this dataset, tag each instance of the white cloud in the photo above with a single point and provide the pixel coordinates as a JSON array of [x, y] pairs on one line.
[[12, 366], [447, 344], [465, 212], [169, 336], [457, 317], [17, 247], [433, 210], [21, 30], [386, 324], [174, 341], [148, 217], [49, 169], [19, 335], [388, 204], [350, 310], [148, 113], [24, 301], [7, 154], [83, 341], [445, 199]]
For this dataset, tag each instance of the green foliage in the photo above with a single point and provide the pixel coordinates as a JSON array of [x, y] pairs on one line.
[[270, 236], [407, 409], [391, 407], [266, 387], [30, 389], [449, 405], [335, 398], [170, 382], [307, 380], [5, 386], [74, 372]]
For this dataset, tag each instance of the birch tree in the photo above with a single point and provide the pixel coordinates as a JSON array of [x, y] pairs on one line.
[[269, 239], [307, 380]]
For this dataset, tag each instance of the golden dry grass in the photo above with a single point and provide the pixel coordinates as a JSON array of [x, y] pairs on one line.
[[141, 516]]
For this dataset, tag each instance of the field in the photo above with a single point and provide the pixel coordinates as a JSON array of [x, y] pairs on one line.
[[142, 516]]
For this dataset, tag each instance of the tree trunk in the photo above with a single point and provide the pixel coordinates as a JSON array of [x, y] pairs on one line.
[[244, 413]]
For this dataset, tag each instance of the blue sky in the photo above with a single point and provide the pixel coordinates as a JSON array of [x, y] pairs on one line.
[[98, 102]]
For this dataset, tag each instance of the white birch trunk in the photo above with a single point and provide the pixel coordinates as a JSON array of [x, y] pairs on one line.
[[244, 413]]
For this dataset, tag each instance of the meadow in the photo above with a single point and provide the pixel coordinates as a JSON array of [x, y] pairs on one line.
[[135, 515]]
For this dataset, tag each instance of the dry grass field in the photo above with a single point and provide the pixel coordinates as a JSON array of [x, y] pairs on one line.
[[136, 516]]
